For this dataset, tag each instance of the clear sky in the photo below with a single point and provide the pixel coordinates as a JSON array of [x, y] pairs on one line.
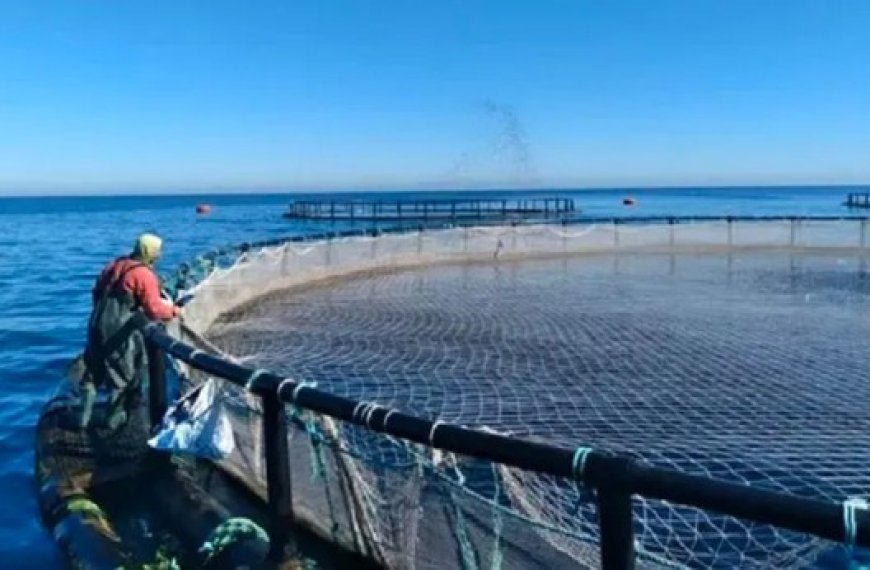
[[182, 95]]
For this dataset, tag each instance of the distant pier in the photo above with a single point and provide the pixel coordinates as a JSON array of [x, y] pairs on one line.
[[381, 210], [858, 200]]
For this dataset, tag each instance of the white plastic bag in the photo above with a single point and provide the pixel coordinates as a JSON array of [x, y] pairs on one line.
[[197, 424]]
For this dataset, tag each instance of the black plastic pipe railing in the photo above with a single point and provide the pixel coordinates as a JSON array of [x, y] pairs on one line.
[[615, 478]]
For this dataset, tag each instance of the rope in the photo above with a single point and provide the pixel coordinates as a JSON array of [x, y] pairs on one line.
[[468, 555], [497, 523], [231, 531], [850, 520], [318, 466], [318, 463]]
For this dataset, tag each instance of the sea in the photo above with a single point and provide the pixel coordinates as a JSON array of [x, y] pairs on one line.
[[52, 248]]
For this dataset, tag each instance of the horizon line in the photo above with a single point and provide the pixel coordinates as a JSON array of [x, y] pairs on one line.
[[241, 191]]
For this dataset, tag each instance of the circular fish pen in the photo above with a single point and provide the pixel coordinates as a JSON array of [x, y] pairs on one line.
[[728, 349]]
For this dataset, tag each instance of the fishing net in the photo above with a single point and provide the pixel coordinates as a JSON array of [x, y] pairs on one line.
[[732, 350], [70, 461]]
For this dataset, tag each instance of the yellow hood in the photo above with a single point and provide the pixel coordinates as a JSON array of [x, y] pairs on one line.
[[148, 248]]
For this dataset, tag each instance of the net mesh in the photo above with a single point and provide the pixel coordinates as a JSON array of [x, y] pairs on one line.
[[727, 350]]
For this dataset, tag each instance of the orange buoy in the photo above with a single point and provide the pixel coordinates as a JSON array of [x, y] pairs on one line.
[[628, 201], [203, 208]]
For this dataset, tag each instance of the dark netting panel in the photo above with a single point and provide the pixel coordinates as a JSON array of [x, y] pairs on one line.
[[744, 363]]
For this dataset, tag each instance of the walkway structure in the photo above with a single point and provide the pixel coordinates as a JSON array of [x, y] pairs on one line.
[[858, 200], [470, 209]]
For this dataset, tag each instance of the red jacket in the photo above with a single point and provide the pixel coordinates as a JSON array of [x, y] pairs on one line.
[[141, 283]]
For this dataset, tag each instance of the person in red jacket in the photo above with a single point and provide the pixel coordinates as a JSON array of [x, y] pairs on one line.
[[126, 297], [134, 277]]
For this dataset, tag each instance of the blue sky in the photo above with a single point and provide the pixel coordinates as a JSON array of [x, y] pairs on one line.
[[163, 96]]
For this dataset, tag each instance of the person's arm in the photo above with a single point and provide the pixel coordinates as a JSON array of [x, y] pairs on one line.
[[147, 291]]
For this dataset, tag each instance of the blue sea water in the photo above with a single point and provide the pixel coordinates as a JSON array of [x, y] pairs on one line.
[[52, 248]]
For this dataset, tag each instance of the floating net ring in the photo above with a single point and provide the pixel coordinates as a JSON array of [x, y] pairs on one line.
[[727, 348]]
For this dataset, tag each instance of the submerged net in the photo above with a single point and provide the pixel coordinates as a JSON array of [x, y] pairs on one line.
[[727, 350]]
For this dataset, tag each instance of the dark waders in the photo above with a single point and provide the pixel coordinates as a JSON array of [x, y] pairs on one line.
[[115, 354]]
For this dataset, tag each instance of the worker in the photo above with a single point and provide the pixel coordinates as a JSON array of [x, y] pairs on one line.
[[126, 297]]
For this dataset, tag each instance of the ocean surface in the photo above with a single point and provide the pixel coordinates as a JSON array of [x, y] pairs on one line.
[[52, 248]]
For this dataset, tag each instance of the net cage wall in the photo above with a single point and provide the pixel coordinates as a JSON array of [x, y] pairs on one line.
[[655, 379]]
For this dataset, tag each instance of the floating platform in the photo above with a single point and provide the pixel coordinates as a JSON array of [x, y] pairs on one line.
[[857, 200], [358, 210]]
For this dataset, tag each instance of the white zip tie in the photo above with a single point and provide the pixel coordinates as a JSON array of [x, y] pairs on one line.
[[387, 418], [281, 385], [578, 464], [850, 520], [256, 374], [359, 406], [298, 387], [432, 432], [369, 413]]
